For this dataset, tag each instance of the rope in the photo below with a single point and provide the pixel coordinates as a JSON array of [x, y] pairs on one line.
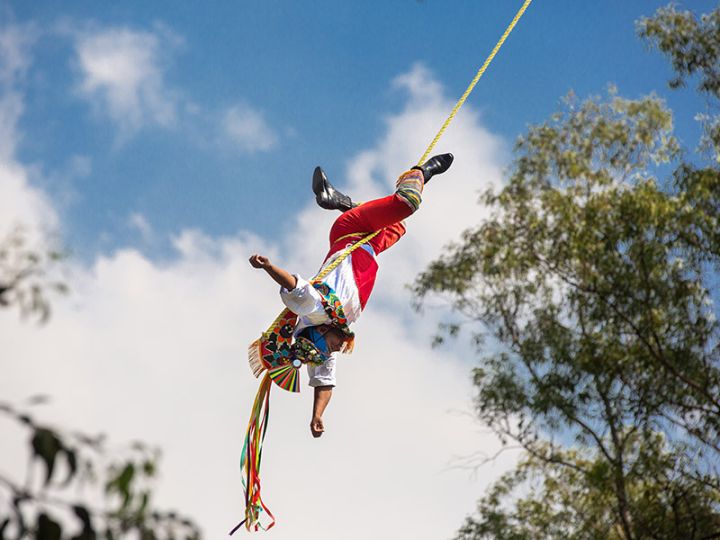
[[474, 82], [257, 426], [325, 271], [332, 266], [440, 133], [329, 268]]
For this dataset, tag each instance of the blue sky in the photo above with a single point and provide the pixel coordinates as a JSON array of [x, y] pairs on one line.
[[319, 75], [164, 142]]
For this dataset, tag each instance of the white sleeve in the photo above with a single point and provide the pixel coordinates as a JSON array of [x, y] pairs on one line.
[[324, 374], [303, 299]]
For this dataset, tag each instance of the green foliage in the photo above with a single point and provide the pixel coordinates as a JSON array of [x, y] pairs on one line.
[[589, 275], [594, 276], [121, 483], [120, 503], [26, 275], [690, 42], [47, 446], [542, 499]]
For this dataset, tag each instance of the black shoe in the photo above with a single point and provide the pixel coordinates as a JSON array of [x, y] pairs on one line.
[[326, 195], [435, 165]]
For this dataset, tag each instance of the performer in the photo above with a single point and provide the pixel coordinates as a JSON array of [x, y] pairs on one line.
[[325, 310]]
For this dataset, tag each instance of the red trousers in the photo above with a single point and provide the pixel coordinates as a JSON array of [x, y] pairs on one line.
[[384, 214]]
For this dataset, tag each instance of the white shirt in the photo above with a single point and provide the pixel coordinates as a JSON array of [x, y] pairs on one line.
[[306, 302]]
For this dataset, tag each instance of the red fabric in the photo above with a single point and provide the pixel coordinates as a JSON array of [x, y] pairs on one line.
[[386, 214]]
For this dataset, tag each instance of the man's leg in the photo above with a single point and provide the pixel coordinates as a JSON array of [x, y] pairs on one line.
[[331, 199], [387, 237], [380, 213]]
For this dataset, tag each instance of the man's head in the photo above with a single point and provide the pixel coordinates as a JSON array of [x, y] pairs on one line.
[[327, 338]]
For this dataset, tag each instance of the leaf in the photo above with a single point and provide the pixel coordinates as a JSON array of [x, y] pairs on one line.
[[72, 464], [145, 499], [82, 513], [46, 446], [47, 529], [17, 501], [121, 484], [148, 534], [38, 399], [3, 526], [87, 533], [126, 478]]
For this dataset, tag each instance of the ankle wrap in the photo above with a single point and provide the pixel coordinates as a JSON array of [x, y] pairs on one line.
[[409, 188]]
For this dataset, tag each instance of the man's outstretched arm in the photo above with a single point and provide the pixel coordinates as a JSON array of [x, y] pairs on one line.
[[281, 276], [322, 398]]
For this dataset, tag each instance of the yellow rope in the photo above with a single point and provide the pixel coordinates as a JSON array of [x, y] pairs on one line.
[[329, 268], [332, 266], [325, 271], [474, 82], [251, 511], [459, 104]]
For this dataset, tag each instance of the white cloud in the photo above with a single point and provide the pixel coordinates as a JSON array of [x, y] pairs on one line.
[[142, 225], [20, 202], [247, 129], [450, 201], [156, 351], [122, 75]]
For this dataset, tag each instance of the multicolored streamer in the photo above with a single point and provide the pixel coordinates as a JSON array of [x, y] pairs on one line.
[[251, 457], [271, 354]]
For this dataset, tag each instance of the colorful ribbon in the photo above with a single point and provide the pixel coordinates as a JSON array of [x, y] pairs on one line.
[[251, 457]]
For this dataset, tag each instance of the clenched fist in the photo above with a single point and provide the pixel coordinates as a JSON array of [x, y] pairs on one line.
[[259, 261], [316, 427]]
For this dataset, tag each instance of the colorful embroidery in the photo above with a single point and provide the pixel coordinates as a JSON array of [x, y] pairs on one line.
[[333, 307], [336, 313], [277, 352], [305, 350], [409, 187], [276, 345]]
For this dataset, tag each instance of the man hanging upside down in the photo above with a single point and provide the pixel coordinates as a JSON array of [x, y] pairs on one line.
[[325, 310]]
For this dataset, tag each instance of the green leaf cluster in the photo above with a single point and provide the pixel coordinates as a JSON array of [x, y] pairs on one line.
[[27, 278], [595, 277], [571, 495], [119, 484]]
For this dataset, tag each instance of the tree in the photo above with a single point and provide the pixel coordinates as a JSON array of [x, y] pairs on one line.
[[573, 497], [71, 463], [26, 274], [594, 278], [85, 491]]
